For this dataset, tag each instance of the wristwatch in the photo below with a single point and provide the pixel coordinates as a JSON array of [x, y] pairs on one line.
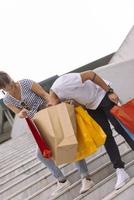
[[110, 91]]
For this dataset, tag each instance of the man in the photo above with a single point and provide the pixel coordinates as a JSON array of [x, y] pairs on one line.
[[90, 90]]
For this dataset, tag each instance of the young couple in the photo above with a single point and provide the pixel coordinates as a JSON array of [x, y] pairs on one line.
[[26, 97]]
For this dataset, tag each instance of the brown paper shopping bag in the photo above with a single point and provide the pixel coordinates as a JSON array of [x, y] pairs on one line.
[[57, 125]]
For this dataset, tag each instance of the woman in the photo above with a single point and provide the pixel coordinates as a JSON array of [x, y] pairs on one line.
[[25, 98], [90, 90]]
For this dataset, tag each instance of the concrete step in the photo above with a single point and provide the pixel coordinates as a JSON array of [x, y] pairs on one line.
[[15, 154], [32, 169], [14, 141], [11, 148], [106, 186], [16, 151], [14, 177], [44, 189], [19, 161], [16, 171], [14, 148], [22, 166], [14, 163], [125, 193]]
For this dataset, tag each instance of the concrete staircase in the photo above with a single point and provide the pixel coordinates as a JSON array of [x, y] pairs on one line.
[[23, 177]]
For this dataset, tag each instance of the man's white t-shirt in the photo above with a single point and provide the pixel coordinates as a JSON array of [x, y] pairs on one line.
[[70, 86]]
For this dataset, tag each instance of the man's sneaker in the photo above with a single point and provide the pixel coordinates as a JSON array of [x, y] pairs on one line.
[[86, 185], [122, 178], [61, 187]]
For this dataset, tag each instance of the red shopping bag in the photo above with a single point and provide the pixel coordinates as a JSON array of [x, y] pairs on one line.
[[131, 135], [125, 114], [46, 152]]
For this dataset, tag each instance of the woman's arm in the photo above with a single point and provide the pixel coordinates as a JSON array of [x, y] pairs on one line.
[[13, 108], [40, 91], [22, 113]]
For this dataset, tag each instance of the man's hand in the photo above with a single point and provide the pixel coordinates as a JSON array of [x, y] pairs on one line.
[[23, 113], [113, 97]]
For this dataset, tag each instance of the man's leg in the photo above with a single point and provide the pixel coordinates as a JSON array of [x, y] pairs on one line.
[[110, 144], [107, 105]]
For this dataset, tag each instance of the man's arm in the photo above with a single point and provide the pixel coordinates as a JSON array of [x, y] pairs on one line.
[[91, 75]]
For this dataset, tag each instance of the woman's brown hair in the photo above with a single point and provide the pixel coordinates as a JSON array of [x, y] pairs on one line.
[[4, 79]]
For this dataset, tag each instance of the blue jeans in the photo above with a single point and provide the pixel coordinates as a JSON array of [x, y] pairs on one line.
[[55, 170]]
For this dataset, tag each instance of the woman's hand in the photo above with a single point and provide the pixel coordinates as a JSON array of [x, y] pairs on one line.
[[47, 154], [113, 97], [23, 113]]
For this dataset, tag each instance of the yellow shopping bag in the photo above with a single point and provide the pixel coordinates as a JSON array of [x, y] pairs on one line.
[[90, 135]]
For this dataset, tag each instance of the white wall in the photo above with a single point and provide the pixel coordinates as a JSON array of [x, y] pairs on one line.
[[126, 50], [122, 77]]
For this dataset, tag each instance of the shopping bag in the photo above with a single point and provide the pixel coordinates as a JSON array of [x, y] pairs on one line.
[[125, 114], [57, 124], [45, 150], [90, 135], [131, 135]]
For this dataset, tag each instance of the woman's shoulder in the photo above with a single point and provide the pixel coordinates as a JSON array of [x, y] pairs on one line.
[[26, 82]]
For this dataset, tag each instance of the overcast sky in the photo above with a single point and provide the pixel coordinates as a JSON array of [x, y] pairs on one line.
[[41, 38]]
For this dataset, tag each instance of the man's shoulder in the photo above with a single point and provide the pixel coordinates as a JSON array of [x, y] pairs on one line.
[[66, 77], [67, 82]]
